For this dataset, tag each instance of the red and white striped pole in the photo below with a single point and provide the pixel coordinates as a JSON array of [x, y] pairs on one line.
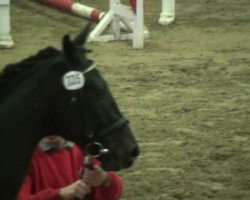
[[75, 8]]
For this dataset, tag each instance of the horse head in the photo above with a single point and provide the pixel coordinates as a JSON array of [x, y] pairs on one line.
[[86, 110]]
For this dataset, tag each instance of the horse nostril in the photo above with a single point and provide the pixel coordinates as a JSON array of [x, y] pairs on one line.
[[135, 152]]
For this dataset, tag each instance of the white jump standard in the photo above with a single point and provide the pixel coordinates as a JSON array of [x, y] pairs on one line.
[[119, 15], [5, 36], [167, 15]]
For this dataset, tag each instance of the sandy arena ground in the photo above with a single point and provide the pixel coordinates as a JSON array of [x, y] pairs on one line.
[[187, 93]]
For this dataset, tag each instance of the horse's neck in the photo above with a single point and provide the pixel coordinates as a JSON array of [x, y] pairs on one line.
[[23, 117], [24, 113]]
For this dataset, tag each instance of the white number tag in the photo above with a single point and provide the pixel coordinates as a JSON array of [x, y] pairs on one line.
[[73, 80]]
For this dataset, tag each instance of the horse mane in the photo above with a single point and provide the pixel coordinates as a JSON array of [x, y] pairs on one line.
[[13, 74]]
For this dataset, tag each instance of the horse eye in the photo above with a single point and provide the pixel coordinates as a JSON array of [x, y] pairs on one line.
[[100, 91], [98, 96], [97, 90]]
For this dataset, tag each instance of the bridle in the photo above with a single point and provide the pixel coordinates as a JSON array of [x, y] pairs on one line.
[[80, 77]]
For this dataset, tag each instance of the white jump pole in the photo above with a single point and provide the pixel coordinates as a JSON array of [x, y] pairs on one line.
[[167, 15], [75, 8], [5, 36]]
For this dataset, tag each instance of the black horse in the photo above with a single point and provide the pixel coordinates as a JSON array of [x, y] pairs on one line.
[[58, 93]]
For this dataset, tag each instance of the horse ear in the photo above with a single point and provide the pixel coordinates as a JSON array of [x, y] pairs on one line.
[[81, 39], [69, 49]]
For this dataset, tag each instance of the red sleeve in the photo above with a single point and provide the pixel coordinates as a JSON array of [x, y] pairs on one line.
[[25, 192], [112, 192]]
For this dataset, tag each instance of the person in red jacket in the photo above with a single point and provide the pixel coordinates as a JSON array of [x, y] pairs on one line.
[[54, 174]]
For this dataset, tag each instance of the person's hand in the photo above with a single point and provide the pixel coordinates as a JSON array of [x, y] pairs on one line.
[[95, 177], [78, 189]]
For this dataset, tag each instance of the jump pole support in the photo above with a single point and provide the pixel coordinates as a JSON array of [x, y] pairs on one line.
[[167, 15], [118, 15], [75, 8], [5, 36]]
